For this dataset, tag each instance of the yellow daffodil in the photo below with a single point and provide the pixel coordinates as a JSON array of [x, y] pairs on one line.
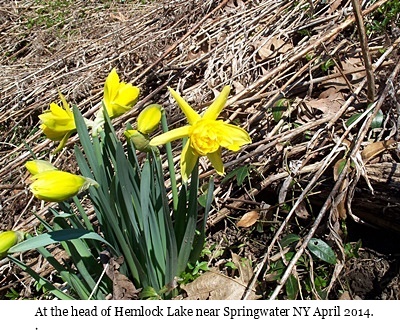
[[8, 239], [119, 97], [147, 122], [58, 122], [38, 166], [149, 119], [206, 134], [58, 186]]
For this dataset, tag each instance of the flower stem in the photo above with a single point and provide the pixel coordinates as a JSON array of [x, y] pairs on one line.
[[171, 165]]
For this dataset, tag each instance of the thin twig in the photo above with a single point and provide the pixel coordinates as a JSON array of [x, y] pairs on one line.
[[365, 50]]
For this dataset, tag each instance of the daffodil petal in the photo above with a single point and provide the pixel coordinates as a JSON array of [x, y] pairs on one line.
[[38, 166], [111, 86], [233, 137], [65, 104], [127, 95], [216, 107], [169, 136], [216, 161], [52, 134], [188, 160], [191, 115]]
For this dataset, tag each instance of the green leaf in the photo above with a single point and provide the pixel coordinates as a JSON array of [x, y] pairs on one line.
[[289, 239], [202, 200], [241, 173], [292, 287], [339, 167], [327, 65], [192, 213], [279, 108], [378, 120], [55, 237], [231, 265], [85, 262], [41, 281], [198, 244], [352, 119], [322, 250]]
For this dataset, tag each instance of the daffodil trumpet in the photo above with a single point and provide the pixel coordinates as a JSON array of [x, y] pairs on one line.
[[206, 135]]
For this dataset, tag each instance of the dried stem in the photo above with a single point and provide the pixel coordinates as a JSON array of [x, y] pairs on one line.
[[365, 50]]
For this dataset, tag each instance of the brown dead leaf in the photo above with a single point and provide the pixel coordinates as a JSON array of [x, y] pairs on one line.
[[341, 207], [238, 86], [345, 296], [272, 47], [329, 101], [301, 211], [354, 67], [213, 285], [374, 149], [233, 6], [244, 266], [248, 219], [123, 288]]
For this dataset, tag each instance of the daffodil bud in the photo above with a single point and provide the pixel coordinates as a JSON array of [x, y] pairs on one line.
[[149, 118], [58, 186], [139, 140], [38, 166], [8, 239]]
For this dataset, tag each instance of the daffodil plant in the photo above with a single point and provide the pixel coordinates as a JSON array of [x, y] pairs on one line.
[[134, 218]]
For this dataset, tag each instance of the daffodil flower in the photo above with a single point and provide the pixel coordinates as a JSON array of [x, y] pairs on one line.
[[118, 98], [147, 122], [58, 123], [206, 134], [58, 186], [8, 239]]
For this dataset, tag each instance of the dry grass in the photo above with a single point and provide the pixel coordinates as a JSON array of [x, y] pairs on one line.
[[267, 50]]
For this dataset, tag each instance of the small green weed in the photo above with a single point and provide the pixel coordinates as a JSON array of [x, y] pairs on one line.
[[382, 18], [12, 294]]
